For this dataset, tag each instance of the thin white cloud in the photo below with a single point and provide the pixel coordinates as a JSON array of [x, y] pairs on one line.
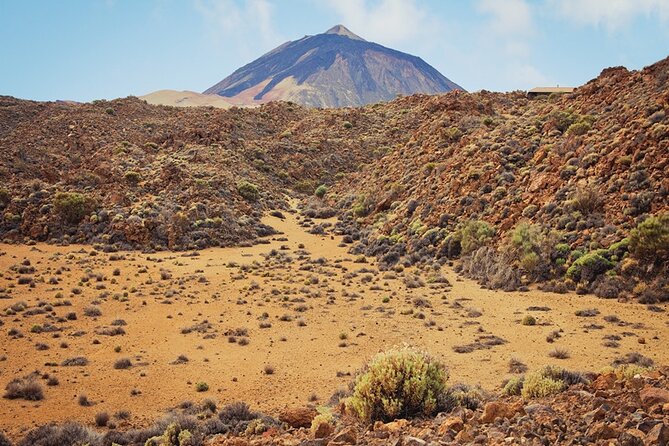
[[389, 22], [610, 14], [246, 24], [508, 17], [504, 44]]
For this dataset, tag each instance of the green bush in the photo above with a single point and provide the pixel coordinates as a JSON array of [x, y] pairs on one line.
[[305, 186], [474, 234], [587, 267], [562, 119], [248, 191], [174, 435], [133, 178], [398, 383], [72, 207], [321, 191], [529, 320], [541, 383], [201, 386], [514, 386], [649, 241], [579, 128], [453, 134]]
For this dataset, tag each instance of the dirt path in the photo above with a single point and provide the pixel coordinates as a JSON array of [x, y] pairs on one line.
[[328, 315]]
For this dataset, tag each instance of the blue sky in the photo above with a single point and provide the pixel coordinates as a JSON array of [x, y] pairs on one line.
[[91, 49]]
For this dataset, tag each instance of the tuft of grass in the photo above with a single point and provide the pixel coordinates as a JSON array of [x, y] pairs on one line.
[[101, 419], [559, 353], [201, 386]]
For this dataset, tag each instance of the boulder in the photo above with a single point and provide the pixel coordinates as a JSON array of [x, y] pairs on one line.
[[602, 431], [298, 416], [500, 409], [651, 396], [345, 436], [658, 435], [324, 429], [454, 424]]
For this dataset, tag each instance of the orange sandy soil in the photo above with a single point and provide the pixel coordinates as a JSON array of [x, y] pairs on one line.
[[306, 358]]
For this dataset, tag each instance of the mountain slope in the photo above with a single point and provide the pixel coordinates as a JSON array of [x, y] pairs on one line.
[[185, 99], [333, 69]]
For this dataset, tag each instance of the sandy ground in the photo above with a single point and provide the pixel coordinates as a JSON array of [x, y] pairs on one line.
[[186, 99], [158, 295]]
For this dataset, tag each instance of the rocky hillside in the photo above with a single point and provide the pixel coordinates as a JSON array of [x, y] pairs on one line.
[[558, 184], [333, 69], [568, 191], [127, 174]]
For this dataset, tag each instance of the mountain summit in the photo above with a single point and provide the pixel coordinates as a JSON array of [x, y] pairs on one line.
[[333, 69]]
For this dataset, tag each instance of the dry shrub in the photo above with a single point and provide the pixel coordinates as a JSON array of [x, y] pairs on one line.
[[401, 382], [26, 388]]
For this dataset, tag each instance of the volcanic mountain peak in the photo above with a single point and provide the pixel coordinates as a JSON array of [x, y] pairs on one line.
[[341, 30], [333, 69]]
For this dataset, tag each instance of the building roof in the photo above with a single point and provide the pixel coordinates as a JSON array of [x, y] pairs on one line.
[[552, 90]]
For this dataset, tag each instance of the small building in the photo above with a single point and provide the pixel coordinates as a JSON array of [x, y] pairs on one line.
[[547, 91]]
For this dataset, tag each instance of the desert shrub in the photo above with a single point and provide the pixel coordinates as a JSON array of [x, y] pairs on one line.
[[77, 361], [122, 364], [133, 178], [4, 441], [321, 191], [529, 320], [72, 207], [453, 134], [305, 186], [68, 434], [5, 198], [649, 241], [587, 200], [579, 128], [634, 358], [362, 206], [559, 353], [562, 119], [101, 419], [174, 435], [26, 388], [463, 395], [587, 267], [235, 413], [400, 382], [514, 386], [608, 287], [201, 386], [628, 371], [248, 191], [541, 383], [474, 234], [530, 210], [92, 311]]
